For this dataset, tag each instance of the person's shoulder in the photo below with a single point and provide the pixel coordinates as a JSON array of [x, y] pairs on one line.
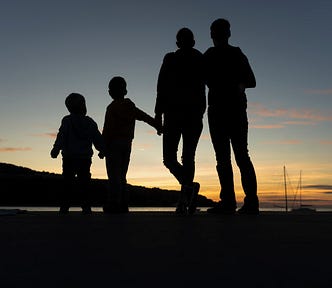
[[235, 49], [209, 51], [66, 119], [90, 121], [169, 56], [128, 102], [196, 53]]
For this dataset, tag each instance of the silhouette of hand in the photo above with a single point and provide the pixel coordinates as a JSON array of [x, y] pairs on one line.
[[159, 123], [101, 155], [242, 88], [54, 153], [159, 130]]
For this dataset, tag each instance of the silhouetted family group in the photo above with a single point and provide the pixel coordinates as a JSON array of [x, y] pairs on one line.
[[179, 109]]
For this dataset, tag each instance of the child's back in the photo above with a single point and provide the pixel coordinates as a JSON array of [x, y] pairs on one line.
[[76, 136]]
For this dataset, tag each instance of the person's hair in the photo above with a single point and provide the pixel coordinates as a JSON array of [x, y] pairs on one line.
[[220, 28], [117, 87], [185, 38], [75, 104]]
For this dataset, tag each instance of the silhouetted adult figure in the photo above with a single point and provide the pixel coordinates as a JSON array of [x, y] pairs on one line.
[[228, 74], [181, 103]]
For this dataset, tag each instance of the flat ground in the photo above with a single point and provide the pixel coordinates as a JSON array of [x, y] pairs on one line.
[[160, 249]]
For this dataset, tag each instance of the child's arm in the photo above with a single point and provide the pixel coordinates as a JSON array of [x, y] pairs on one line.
[[98, 142], [142, 116], [59, 141]]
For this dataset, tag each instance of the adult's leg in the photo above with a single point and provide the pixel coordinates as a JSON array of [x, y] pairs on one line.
[[247, 170], [171, 138], [219, 131], [191, 134]]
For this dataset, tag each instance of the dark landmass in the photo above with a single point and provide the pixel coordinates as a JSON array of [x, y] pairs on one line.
[[22, 186]]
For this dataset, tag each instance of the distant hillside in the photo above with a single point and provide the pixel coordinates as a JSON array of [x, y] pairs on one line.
[[22, 186]]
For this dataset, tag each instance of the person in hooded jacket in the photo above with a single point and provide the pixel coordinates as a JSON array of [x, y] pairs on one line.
[[75, 138]]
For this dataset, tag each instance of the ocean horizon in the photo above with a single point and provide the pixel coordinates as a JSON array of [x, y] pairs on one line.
[[148, 209]]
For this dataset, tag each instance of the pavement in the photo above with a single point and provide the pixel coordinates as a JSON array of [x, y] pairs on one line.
[[161, 249]]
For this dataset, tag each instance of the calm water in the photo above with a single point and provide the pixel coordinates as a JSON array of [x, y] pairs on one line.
[[146, 209]]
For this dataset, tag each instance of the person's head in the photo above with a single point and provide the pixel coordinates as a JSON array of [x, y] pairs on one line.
[[185, 38], [220, 31], [117, 87], [75, 104]]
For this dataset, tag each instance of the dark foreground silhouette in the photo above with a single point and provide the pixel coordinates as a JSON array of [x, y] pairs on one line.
[[164, 250], [22, 186]]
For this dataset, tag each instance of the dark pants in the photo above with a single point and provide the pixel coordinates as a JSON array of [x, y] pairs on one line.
[[117, 162], [77, 176], [230, 129], [190, 130]]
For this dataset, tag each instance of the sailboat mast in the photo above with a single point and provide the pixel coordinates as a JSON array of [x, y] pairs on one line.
[[300, 188], [285, 189]]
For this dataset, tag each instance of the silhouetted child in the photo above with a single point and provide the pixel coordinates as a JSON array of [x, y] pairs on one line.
[[76, 135], [118, 133]]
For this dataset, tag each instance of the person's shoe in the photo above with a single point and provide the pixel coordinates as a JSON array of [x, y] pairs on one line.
[[193, 198], [181, 209], [115, 209], [124, 208], [248, 210], [86, 211], [64, 210], [222, 208]]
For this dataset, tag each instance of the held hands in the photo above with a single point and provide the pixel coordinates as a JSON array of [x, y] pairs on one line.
[[101, 155], [54, 153], [158, 123], [241, 88]]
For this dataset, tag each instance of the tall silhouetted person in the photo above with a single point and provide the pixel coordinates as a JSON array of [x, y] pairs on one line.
[[118, 134], [76, 135], [180, 105], [228, 74]]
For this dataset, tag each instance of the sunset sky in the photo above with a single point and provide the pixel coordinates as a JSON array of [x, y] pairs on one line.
[[52, 48]]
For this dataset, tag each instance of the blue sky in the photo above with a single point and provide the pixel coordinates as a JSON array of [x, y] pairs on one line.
[[52, 48]]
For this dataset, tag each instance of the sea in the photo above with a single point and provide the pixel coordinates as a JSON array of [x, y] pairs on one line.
[[144, 209]]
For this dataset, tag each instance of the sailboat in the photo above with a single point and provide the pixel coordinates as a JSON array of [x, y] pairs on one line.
[[302, 208]]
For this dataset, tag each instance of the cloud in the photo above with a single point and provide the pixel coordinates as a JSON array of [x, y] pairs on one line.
[[284, 142], [271, 126], [325, 142], [142, 146], [319, 91], [14, 149], [311, 116], [318, 187], [205, 137], [47, 135]]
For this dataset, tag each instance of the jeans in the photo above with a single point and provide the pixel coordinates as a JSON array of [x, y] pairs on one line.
[[190, 129], [76, 173], [230, 129], [117, 162]]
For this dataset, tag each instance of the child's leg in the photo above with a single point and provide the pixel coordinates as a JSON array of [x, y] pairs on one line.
[[126, 151], [66, 194], [84, 178], [113, 163]]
